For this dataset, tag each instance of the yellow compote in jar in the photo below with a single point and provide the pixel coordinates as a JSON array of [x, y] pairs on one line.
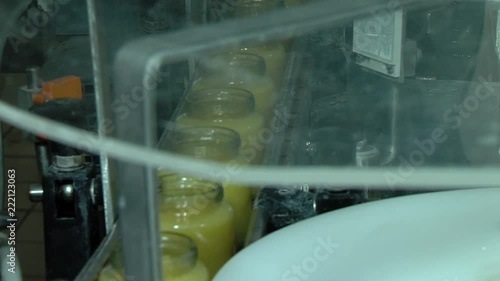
[[196, 208], [242, 71], [274, 57], [229, 108], [113, 270], [221, 145], [180, 259], [108, 273]]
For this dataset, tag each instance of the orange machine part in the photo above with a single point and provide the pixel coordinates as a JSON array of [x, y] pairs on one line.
[[64, 87]]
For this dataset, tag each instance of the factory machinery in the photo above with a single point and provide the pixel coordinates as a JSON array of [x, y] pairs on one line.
[[366, 86]]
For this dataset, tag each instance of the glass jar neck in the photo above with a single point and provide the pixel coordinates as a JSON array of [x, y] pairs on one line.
[[254, 7], [220, 103], [179, 254], [211, 143], [187, 196], [108, 273], [234, 64], [263, 46]]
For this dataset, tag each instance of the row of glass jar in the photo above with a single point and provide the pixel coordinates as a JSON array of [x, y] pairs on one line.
[[220, 121], [220, 118]]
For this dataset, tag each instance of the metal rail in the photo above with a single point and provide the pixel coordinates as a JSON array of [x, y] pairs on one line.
[[102, 92], [92, 268]]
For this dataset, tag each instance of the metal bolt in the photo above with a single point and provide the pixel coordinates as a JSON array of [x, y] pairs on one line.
[[67, 192], [94, 191], [36, 193], [69, 163], [33, 77]]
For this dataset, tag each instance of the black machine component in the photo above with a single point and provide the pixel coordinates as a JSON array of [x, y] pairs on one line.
[[71, 182]]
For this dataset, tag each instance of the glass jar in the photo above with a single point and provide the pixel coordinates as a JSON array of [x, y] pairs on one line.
[[229, 108], [246, 8], [213, 143], [222, 145], [242, 71], [180, 259], [274, 57], [195, 208]]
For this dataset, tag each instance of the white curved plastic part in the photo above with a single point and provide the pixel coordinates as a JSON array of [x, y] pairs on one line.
[[445, 236], [272, 175]]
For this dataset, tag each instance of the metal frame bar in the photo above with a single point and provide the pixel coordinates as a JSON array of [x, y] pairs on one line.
[[2, 168], [139, 62], [91, 270], [102, 92]]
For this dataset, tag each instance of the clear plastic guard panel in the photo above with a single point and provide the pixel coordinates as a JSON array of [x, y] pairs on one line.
[[426, 100]]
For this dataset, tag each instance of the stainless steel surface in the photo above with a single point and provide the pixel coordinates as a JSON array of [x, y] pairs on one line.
[[42, 158], [92, 268], [33, 78], [102, 93], [93, 196], [36, 193], [24, 97]]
